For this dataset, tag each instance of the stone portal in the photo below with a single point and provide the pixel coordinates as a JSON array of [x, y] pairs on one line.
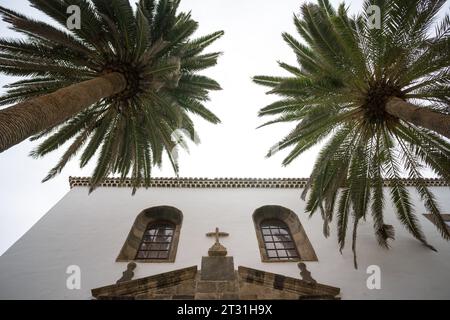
[[218, 279]]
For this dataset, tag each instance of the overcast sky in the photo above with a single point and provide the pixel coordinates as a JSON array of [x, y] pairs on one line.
[[252, 44]]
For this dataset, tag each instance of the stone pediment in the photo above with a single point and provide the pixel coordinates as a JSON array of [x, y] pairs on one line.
[[266, 285], [153, 287], [187, 283]]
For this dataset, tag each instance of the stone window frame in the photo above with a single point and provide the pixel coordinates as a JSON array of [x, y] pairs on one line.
[[302, 243], [146, 217], [445, 217]]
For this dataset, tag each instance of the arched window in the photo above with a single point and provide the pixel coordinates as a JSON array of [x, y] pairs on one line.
[[281, 236], [278, 241], [154, 236], [157, 241]]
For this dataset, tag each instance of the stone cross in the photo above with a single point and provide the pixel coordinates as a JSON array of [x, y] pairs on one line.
[[217, 248], [217, 234]]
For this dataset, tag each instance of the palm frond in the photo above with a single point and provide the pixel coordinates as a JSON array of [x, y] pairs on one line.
[[347, 72]]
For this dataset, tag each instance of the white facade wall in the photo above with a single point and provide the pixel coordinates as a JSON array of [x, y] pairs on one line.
[[89, 231]]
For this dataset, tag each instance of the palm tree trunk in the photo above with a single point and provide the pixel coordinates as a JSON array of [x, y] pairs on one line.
[[423, 117], [30, 117]]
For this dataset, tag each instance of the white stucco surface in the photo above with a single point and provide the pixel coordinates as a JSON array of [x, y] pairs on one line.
[[89, 231]]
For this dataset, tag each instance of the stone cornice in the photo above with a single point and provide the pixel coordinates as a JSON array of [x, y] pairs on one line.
[[277, 183]]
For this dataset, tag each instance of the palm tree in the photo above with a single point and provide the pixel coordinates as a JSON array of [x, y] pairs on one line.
[[379, 99], [122, 83]]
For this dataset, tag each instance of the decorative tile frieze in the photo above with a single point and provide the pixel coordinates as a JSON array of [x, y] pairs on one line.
[[275, 183]]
